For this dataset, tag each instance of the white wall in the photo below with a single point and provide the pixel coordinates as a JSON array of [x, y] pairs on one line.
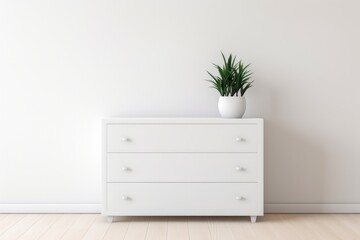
[[64, 65]]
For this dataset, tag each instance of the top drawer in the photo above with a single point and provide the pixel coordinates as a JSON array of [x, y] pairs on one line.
[[181, 138]]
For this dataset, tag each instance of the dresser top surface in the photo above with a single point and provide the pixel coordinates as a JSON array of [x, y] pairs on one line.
[[140, 120]]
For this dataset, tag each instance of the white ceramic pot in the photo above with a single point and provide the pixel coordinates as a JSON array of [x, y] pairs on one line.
[[232, 107]]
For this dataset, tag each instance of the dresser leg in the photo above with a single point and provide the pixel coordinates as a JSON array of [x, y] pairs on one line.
[[110, 219], [253, 219]]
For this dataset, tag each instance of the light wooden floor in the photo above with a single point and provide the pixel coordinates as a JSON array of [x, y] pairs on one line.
[[94, 226]]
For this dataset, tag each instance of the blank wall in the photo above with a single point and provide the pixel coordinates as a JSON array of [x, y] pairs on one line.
[[65, 65]]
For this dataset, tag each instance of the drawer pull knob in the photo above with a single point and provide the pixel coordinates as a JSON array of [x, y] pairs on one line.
[[238, 139], [124, 197], [125, 168], [240, 169], [124, 139], [240, 198]]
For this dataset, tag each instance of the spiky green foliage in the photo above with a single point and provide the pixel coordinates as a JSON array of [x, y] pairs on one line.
[[234, 77]]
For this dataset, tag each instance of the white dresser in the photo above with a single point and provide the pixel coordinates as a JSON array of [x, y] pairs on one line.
[[183, 166]]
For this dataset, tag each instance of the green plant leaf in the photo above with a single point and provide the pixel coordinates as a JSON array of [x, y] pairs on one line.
[[233, 77]]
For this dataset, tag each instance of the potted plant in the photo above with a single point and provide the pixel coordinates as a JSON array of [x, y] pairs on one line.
[[232, 83]]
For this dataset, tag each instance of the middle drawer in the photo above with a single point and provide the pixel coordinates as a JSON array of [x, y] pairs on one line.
[[182, 167]]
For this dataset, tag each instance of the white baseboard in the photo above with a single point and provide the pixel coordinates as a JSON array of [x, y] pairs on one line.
[[96, 208], [50, 208], [312, 208]]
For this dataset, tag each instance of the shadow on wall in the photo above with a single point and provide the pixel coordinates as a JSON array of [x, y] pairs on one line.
[[294, 166]]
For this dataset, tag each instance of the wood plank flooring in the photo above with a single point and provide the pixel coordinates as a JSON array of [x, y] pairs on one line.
[[95, 227]]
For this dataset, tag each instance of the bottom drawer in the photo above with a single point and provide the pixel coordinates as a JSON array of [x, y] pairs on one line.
[[181, 199]]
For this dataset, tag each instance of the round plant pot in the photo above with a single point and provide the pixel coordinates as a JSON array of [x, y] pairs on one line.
[[232, 107]]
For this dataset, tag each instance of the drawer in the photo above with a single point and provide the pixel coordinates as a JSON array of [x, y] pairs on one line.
[[125, 199], [182, 138], [182, 167]]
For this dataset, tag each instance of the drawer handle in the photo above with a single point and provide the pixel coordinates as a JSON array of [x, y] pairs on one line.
[[238, 139], [240, 169], [124, 139], [125, 198], [240, 198], [125, 169]]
